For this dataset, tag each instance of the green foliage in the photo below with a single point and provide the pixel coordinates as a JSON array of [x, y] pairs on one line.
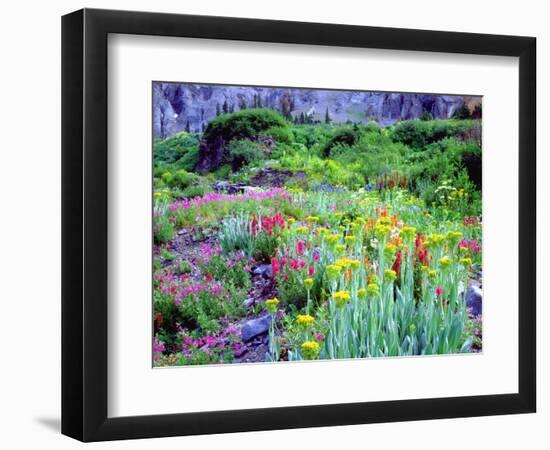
[[417, 133], [166, 254], [163, 228], [236, 234], [281, 135], [342, 136], [244, 124], [243, 152], [182, 150], [179, 179], [463, 112], [229, 271]]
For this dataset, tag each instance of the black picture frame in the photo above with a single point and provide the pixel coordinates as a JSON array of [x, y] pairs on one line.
[[84, 224]]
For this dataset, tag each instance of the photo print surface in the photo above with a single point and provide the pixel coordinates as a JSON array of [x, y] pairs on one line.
[[302, 224]]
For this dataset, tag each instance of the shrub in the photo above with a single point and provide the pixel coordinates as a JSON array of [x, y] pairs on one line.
[[280, 135], [163, 228], [418, 133], [244, 124], [179, 179], [342, 136], [243, 152], [178, 148], [236, 234]]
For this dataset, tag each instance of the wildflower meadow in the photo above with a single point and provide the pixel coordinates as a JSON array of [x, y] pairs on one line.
[[286, 235]]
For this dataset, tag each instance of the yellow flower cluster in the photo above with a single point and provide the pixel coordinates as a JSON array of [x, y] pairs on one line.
[[310, 349], [304, 321], [308, 283], [389, 275], [466, 261], [341, 297], [389, 251], [453, 238], [408, 233], [290, 220], [361, 293], [435, 240], [445, 262], [333, 271], [373, 290], [381, 231], [271, 304], [301, 230], [350, 240], [313, 219], [332, 239], [340, 249]]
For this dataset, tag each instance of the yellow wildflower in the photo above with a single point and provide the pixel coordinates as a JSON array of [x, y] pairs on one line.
[[341, 297], [389, 251], [349, 240], [304, 321], [313, 219], [373, 290], [361, 293], [453, 238], [271, 304], [308, 283], [389, 275], [301, 230], [340, 248], [311, 350], [466, 261], [408, 233], [333, 271], [445, 262], [381, 231], [435, 240]]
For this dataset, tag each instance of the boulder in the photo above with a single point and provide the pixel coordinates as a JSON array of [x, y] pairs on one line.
[[255, 327], [474, 299], [264, 270]]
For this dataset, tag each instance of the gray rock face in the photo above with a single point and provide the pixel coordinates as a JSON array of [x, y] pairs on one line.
[[178, 105], [255, 327], [474, 299], [264, 270]]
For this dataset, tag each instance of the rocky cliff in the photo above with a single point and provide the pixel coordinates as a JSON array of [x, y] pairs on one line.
[[180, 106]]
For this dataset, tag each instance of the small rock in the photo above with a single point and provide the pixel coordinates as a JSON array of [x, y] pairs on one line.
[[255, 327], [474, 298], [249, 302], [264, 270]]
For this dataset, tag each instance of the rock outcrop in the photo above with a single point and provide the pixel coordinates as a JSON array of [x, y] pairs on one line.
[[180, 106]]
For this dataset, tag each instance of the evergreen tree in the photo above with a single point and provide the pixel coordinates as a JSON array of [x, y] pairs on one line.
[[463, 112], [188, 127], [203, 127], [259, 101], [242, 103], [476, 114], [218, 110], [425, 116], [285, 107], [327, 116], [225, 107]]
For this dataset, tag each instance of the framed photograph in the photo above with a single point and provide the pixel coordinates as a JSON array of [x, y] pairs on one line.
[[273, 225]]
